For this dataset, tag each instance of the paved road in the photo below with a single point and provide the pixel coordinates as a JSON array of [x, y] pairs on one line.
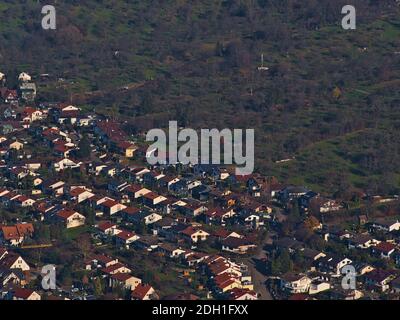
[[259, 283], [260, 279]]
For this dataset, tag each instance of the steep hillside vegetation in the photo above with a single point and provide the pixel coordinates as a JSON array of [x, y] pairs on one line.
[[330, 98]]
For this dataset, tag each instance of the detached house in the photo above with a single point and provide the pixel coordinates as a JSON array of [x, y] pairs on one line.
[[15, 235], [295, 283], [111, 207], [194, 235], [151, 199], [384, 249], [125, 238], [108, 228], [79, 194], [144, 292], [25, 294], [387, 225], [70, 218], [237, 245], [13, 261], [332, 265], [124, 280], [116, 268], [23, 202], [53, 188], [127, 148], [135, 191], [145, 217], [64, 164], [362, 241], [16, 145], [379, 279]]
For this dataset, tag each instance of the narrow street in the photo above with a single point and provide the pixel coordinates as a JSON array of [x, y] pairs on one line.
[[259, 279]]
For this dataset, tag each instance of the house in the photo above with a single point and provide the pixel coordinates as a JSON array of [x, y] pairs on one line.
[[193, 209], [143, 292], [100, 261], [318, 286], [147, 242], [125, 280], [24, 77], [79, 194], [295, 283], [65, 163], [18, 173], [362, 241], [339, 293], [23, 202], [200, 192], [12, 277], [135, 191], [111, 207], [116, 186], [379, 279], [125, 238], [70, 218], [222, 234], [146, 217], [13, 261], [312, 255], [31, 114], [67, 117], [138, 173], [387, 225], [332, 264], [169, 250], [53, 188], [384, 249], [242, 294], [226, 282], [363, 268], [395, 284], [151, 199], [168, 181], [9, 96], [129, 214], [152, 178], [108, 228], [25, 294], [127, 148], [16, 145], [291, 193], [194, 234], [116, 268], [237, 245], [16, 234]]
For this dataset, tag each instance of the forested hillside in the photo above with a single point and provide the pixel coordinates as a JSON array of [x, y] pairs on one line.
[[330, 98]]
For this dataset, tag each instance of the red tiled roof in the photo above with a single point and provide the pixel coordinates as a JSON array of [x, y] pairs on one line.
[[17, 231], [125, 235], [385, 247], [109, 203], [131, 211], [105, 225], [23, 293], [121, 276], [236, 293], [141, 291], [113, 267], [76, 191], [65, 214]]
